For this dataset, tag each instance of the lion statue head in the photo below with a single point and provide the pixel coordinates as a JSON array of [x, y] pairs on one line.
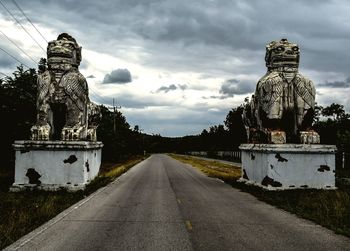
[[63, 53]]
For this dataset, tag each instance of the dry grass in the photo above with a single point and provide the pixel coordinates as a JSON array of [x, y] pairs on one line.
[[117, 170], [212, 168], [22, 212], [329, 208]]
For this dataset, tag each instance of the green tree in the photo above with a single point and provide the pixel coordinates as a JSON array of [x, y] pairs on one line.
[[335, 111], [334, 129], [42, 65], [17, 109], [18, 95], [235, 126], [137, 129], [120, 143]]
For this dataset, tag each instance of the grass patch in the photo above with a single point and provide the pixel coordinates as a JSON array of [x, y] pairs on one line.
[[212, 168], [6, 179], [329, 208], [22, 212]]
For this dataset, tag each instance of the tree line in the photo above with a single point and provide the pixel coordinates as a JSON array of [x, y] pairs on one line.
[[18, 94], [18, 113]]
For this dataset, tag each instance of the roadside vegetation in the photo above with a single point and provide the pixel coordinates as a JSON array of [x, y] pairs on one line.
[[329, 208], [22, 212], [214, 169]]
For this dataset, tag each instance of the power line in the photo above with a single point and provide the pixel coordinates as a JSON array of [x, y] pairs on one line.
[[21, 25], [99, 96], [114, 124], [29, 20], [18, 47], [19, 61], [95, 93], [4, 74]]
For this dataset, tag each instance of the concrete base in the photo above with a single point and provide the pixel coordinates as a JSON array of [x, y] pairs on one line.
[[53, 165], [288, 166]]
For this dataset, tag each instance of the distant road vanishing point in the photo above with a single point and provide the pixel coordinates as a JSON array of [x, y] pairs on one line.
[[162, 204]]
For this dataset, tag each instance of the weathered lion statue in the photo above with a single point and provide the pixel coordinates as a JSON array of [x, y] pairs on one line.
[[282, 108], [64, 111]]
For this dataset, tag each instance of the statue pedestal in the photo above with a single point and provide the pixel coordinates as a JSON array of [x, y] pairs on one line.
[[288, 166], [52, 165]]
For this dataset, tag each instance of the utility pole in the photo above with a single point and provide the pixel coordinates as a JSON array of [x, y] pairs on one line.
[[114, 128], [115, 107], [143, 142]]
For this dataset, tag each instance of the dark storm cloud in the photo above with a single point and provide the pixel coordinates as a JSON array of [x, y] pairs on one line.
[[90, 76], [233, 86], [204, 31], [172, 87], [337, 84], [216, 97], [232, 24], [183, 87], [166, 89], [219, 96], [118, 76]]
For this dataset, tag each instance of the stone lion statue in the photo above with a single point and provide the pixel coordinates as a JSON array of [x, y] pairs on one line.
[[282, 108], [63, 105]]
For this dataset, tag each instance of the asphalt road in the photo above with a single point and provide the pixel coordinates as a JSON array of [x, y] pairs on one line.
[[161, 204]]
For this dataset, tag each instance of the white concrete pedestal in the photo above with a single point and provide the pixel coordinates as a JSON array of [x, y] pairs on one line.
[[52, 165], [288, 166]]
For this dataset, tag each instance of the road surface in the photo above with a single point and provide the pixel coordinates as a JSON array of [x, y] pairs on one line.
[[162, 204]]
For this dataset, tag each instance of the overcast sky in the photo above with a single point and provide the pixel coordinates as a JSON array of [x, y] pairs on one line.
[[177, 67]]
